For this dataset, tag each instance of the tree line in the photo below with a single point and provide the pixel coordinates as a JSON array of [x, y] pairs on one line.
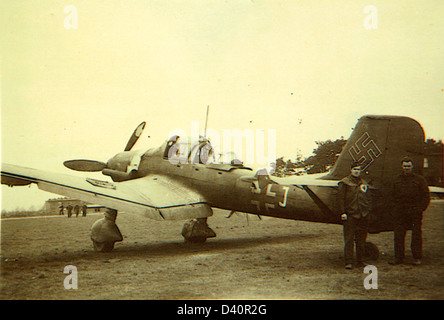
[[327, 152]]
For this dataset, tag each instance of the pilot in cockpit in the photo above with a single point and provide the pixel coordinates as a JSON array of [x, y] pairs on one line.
[[203, 151], [172, 148]]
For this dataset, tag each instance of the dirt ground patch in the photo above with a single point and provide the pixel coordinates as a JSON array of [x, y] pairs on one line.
[[249, 259]]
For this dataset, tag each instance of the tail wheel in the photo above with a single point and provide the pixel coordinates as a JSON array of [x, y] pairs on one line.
[[371, 251], [103, 246]]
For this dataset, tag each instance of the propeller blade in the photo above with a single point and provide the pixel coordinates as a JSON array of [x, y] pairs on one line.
[[85, 165], [135, 136]]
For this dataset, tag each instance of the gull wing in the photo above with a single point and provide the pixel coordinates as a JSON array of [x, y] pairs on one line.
[[156, 196]]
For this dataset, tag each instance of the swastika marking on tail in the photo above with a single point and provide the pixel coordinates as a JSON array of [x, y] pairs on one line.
[[365, 151]]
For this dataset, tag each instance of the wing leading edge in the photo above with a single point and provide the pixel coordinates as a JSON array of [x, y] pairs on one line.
[[155, 196]]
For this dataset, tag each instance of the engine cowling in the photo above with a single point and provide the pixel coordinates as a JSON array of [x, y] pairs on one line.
[[124, 165]]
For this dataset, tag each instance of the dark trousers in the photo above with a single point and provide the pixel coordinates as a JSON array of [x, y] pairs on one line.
[[408, 219], [355, 230]]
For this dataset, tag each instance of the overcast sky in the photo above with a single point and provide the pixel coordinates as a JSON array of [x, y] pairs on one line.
[[307, 69]]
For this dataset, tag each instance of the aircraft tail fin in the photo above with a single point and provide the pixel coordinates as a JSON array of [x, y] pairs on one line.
[[379, 143]]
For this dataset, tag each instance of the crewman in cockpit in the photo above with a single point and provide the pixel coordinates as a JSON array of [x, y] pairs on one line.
[[205, 150], [172, 147]]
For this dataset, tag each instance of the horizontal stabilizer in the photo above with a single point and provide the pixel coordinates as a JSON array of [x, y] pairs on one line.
[[436, 189], [306, 180]]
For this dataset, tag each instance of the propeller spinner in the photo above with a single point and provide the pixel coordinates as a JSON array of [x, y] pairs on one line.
[[94, 165]]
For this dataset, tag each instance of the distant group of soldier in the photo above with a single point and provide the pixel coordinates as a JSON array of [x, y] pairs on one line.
[[410, 199], [73, 210]]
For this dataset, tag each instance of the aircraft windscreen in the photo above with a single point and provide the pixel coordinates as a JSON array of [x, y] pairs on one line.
[[202, 152], [178, 152]]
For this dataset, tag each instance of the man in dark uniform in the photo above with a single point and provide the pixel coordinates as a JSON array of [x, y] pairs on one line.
[[76, 210], [84, 208], [61, 209], [354, 206], [69, 208], [411, 197]]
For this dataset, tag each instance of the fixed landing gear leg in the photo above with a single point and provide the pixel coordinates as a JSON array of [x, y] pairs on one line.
[[197, 231], [104, 232]]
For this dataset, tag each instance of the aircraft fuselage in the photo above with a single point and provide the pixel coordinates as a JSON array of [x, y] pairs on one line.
[[238, 189]]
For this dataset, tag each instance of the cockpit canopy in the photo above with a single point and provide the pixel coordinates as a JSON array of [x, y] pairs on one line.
[[201, 151]]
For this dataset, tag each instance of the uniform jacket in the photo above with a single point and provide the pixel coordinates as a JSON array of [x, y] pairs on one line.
[[411, 190], [354, 197]]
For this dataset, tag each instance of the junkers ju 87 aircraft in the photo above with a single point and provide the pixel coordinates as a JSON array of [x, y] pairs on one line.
[[152, 184]]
